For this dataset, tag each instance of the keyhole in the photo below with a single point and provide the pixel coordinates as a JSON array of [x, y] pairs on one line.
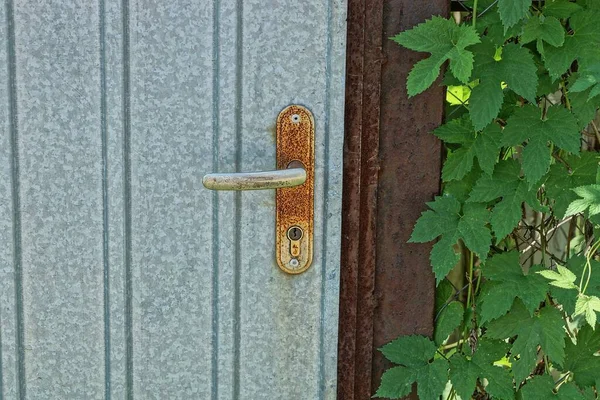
[[295, 233]]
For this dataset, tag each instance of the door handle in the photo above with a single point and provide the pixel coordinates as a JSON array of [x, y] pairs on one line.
[[294, 175], [294, 181]]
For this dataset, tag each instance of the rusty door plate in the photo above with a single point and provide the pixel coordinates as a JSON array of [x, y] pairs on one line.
[[295, 206]]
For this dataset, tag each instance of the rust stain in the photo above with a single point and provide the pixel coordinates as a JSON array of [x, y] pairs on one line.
[[295, 206]]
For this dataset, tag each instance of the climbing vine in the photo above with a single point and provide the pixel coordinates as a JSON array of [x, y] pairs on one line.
[[517, 226]]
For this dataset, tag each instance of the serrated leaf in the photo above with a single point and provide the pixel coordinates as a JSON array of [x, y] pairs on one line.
[[512, 11], [590, 200], [490, 24], [568, 297], [545, 329], [445, 219], [445, 40], [516, 69], [559, 126], [580, 358], [560, 8], [548, 29], [416, 366], [588, 78], [449, 319], [578, 171], [584, 38], [396, 382], [509, 282], [564, 278], [587, 306], [422, 75], [410, 351], [584, 107], [465, 371], [484, 146], [542, 387], [505, 183]]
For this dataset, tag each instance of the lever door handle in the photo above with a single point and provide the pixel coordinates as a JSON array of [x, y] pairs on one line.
[[294, 181], [294, 175]]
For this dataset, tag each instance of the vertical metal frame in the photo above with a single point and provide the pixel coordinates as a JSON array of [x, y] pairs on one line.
[[391, 168]]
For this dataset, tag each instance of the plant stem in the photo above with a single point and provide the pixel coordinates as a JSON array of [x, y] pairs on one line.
[[470, 266], [588, 266], [564, 90], [475, 13]]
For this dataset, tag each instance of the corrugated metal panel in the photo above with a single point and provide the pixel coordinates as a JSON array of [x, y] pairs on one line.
[[121, 277]]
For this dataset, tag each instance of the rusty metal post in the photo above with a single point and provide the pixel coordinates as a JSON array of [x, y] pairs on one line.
[[391, 168]]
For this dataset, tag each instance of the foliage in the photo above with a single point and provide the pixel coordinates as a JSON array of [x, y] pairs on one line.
[[517, 226]]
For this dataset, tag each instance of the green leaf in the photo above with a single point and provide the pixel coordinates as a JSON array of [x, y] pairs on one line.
[[396, 382], [559, 127], [564, 278], [542, 387], [560, 8], [465, 371], [516, 69], [449, 319], [461, 189], [445, 40], [590, 200], [580, 359], [507, 184], [548, 29], [446, 220], [568, 297], [443, 294], [545, 329], [587, 306], [588, 78], [583, 107], [512, 11], [415, 354], [484, 146], [579, 171], [585, 38], [490, 25], [422, 75], [410, 351], [507, 281]]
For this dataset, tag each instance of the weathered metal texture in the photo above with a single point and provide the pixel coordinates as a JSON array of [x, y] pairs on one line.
[[361, 164], [410, 161], [120, 276], [391, 168], [295, 206]]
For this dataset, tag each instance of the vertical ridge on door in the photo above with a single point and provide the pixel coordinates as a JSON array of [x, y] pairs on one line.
[[114, 93], [239, 97], [11, 362], [105, 212], [215, 204]]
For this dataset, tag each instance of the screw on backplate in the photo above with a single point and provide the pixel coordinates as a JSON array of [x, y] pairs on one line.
[[294, 263], [295, 233]]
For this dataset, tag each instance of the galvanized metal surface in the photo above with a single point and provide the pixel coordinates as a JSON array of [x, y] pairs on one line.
[[391, 168], [120, 276], [295, 206]]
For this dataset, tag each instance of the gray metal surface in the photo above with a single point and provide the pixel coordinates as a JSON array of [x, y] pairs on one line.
[[120, 275]]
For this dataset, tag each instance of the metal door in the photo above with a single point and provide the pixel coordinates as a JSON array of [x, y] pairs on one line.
[[120, 275]]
